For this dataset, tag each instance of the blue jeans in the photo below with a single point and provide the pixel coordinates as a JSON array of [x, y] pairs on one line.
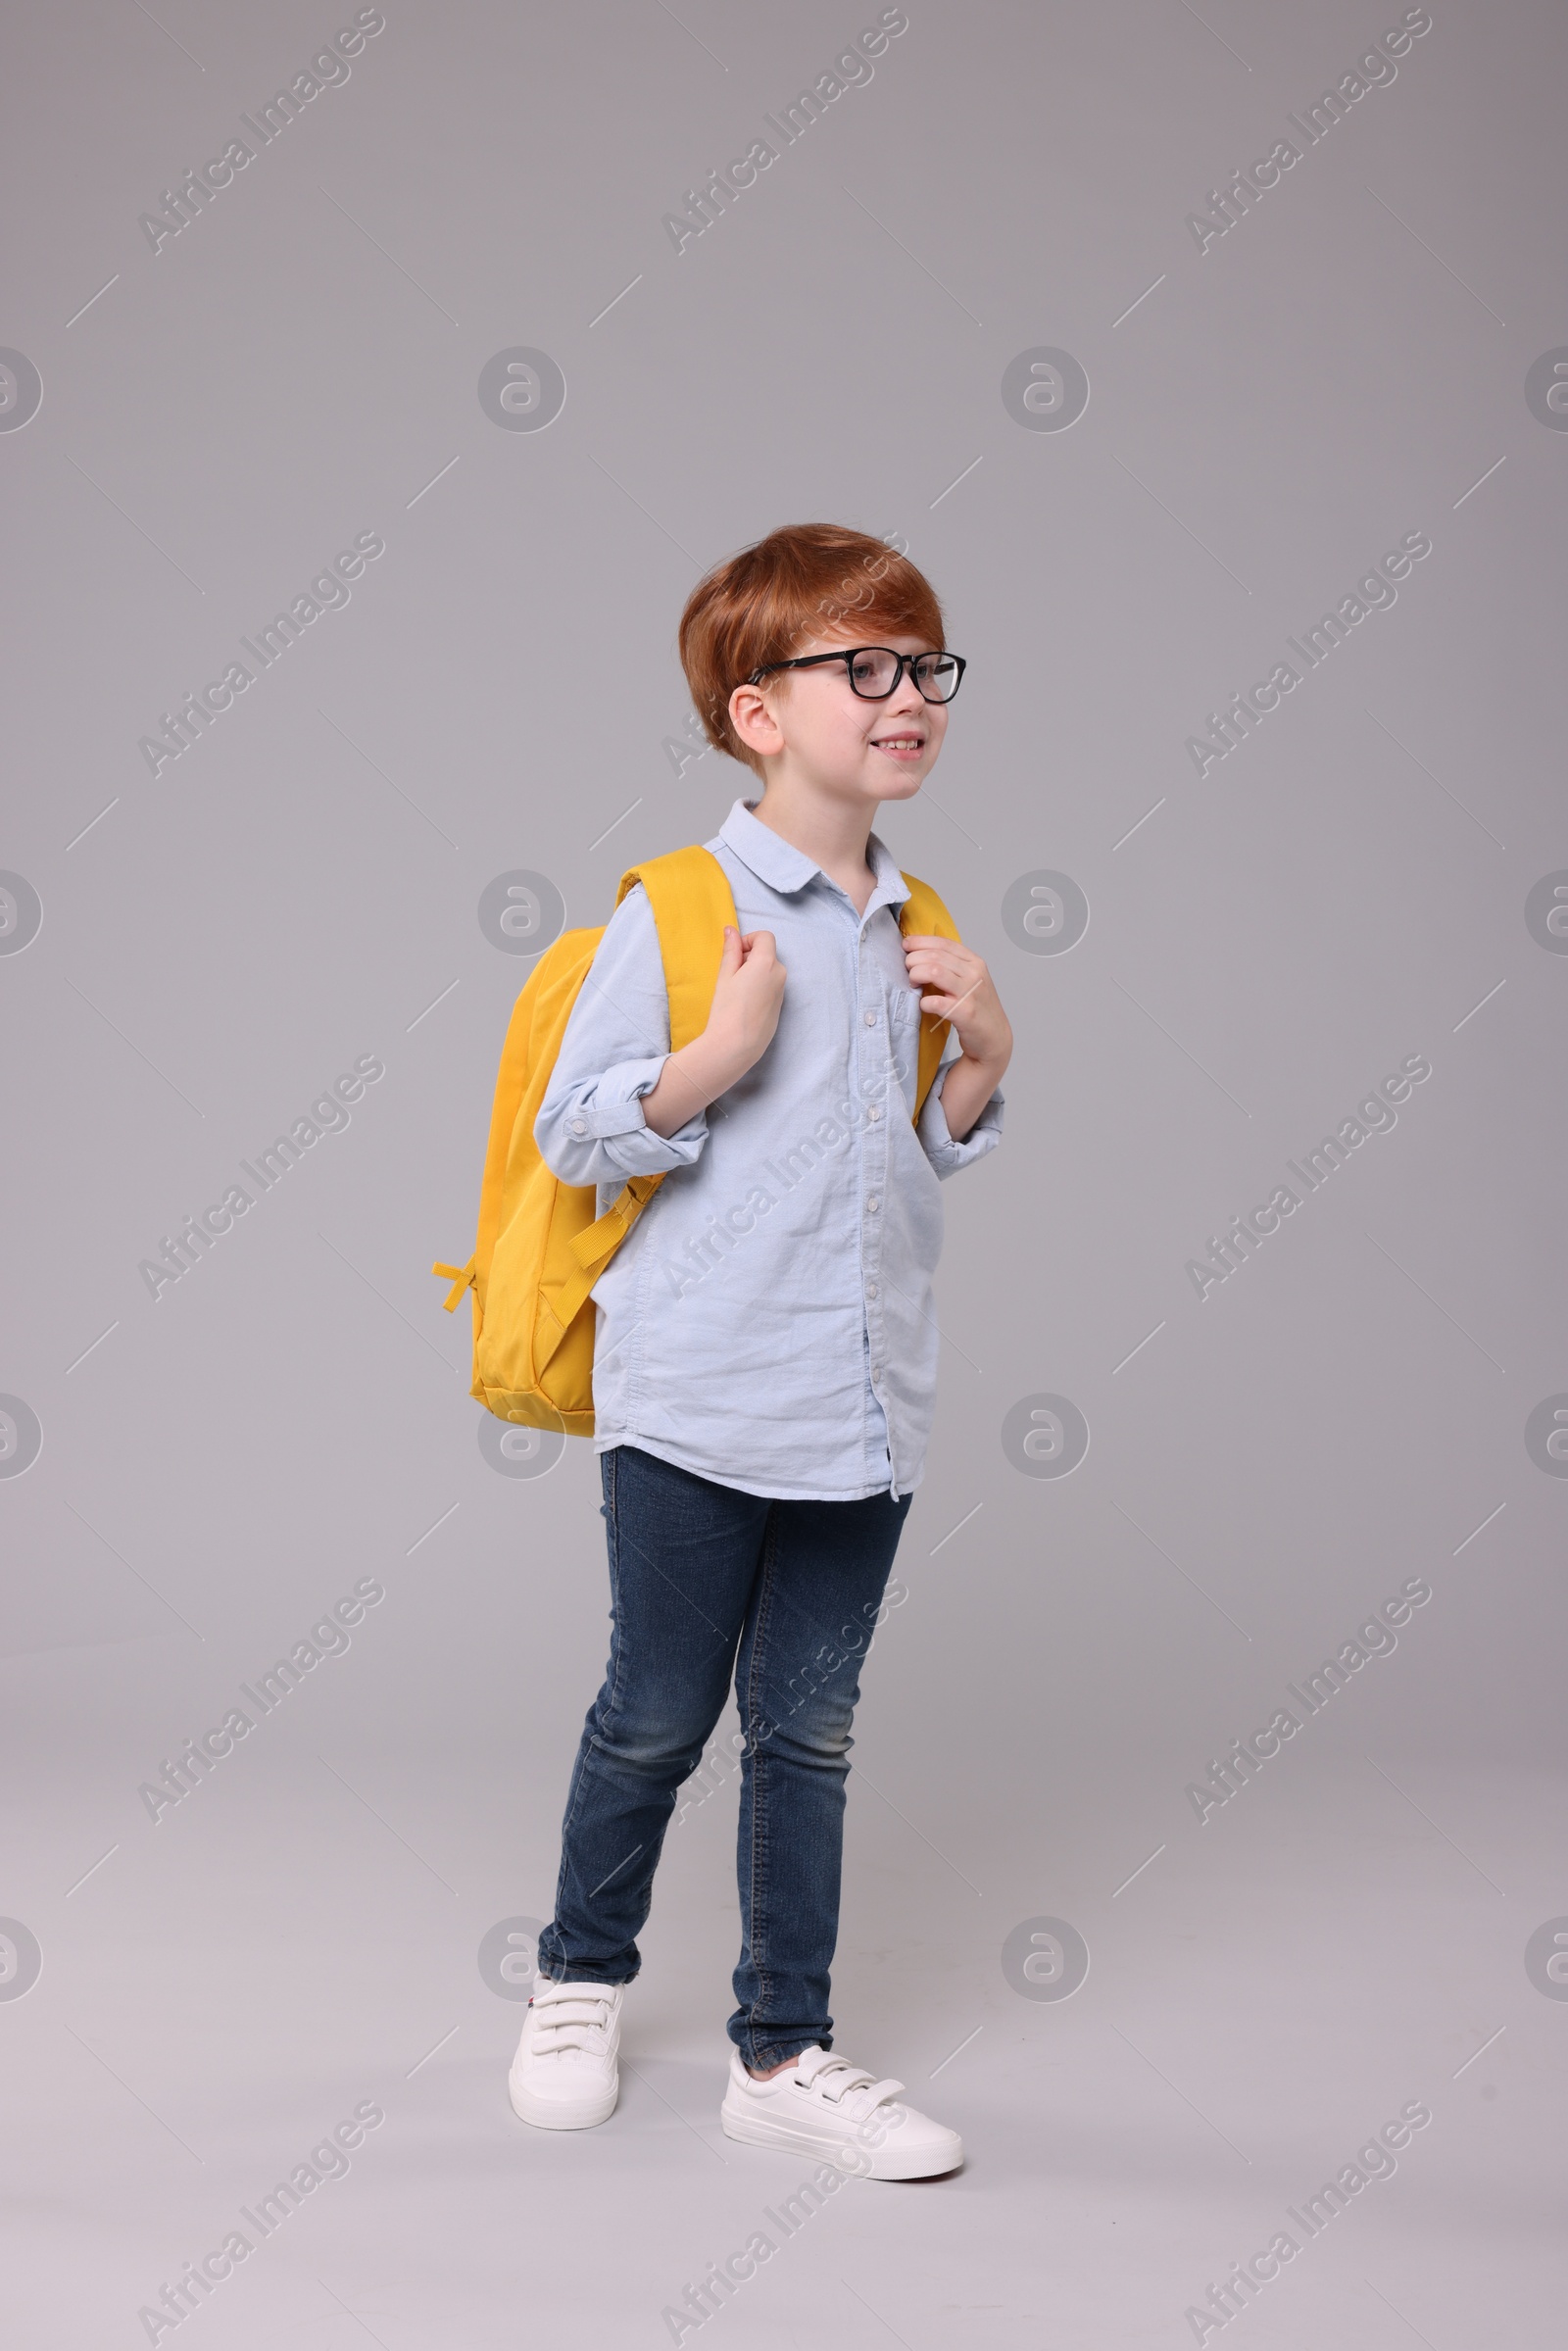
[[706, 1580]]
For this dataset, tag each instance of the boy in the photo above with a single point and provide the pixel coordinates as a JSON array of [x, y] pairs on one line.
[[766, 1355]]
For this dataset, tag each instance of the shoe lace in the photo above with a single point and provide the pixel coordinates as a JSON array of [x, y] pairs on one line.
[[567, 2016]]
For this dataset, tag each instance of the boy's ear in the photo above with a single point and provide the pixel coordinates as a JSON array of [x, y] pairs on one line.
[[753, 722]]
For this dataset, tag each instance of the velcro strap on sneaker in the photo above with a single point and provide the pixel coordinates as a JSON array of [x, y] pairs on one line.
[[837, 2079]]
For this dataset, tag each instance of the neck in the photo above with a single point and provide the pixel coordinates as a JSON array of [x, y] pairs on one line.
[[832, 835]]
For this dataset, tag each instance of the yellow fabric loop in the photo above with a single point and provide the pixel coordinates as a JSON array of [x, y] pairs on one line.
[[601, 1240], [460, 1276]]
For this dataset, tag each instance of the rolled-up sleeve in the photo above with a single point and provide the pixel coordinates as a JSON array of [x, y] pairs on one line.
[[946, 1156], [590, 1128]]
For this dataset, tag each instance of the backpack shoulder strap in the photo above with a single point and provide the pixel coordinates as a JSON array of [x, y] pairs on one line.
[[924, 913], [692, 900], [923, 910]]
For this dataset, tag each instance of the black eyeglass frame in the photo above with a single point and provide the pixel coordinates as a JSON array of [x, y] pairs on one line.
[[905, 661]]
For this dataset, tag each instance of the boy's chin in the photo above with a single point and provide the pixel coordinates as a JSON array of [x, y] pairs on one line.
[[899, 783]]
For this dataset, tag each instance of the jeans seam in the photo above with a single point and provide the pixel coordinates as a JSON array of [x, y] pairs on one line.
[[612, 1547], [754, 1686]]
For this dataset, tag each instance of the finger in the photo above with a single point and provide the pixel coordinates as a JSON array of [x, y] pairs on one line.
[[952, 996], [941, 950], [733, 951], [969, 991]]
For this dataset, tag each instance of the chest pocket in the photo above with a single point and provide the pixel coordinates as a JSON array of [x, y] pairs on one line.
[[904, 1036]]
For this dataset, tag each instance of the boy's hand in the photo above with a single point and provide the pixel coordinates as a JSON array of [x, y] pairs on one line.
[[958, 987], [748, 996]]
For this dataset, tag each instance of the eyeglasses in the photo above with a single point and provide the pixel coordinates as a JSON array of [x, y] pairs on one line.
[[875, 670]]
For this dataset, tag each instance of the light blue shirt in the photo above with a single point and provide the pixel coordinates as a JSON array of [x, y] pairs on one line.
[[768, 1323]]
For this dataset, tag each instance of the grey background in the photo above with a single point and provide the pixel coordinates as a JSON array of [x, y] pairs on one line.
[[301, 364]]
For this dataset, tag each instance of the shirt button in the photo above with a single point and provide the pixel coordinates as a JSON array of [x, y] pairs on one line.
[[579, 1126], [875, 1203], [870, 1020], [876, 1371], [874, 1112], [871, 1290]]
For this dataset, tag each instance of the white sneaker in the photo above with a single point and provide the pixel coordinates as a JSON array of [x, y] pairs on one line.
[[823, 2106], [564, 2076]]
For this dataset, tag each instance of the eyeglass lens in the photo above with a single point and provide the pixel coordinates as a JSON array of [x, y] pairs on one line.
[[873, 672]]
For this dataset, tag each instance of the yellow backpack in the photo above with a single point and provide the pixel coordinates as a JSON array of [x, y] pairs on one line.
[[540, 1246]]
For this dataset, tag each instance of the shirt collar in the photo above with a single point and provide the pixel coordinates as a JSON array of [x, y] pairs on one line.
[[783, 867]]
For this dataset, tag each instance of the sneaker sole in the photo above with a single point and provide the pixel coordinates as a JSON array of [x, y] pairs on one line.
[[554, 2114], [886, 2162]]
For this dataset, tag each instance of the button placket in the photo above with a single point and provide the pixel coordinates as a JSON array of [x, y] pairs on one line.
[[873, 1223], [871, 1055]]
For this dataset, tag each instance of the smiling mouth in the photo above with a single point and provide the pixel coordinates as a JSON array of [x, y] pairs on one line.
[[898, 745]]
